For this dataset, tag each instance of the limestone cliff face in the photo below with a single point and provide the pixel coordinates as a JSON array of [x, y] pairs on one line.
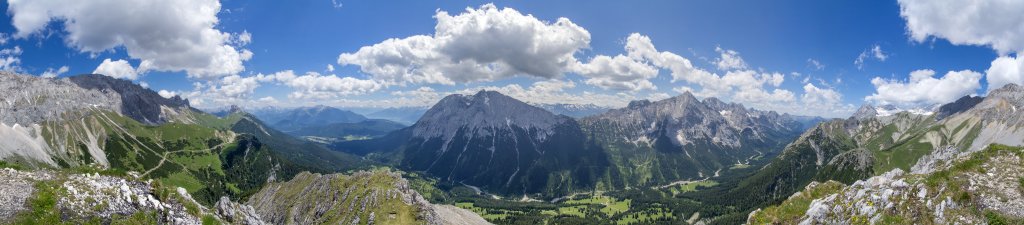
[[377, 197]]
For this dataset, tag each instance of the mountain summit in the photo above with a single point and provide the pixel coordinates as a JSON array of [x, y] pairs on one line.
[[485, 109], [498, 143]]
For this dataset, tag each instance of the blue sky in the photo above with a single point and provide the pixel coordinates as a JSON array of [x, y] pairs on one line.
[[770, 37]]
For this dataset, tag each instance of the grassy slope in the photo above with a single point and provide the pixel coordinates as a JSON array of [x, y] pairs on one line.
[[343, 208], [205, 156]]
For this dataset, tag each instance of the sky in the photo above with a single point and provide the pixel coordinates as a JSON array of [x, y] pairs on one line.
[[820, 58]]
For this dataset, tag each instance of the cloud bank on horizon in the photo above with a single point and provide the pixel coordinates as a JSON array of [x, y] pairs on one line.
[[501, 48]]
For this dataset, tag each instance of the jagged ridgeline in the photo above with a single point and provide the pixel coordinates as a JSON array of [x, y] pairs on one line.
[[509, 147], [871, 143], [111, 123]]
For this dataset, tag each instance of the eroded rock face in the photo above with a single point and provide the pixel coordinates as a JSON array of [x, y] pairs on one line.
[[137, 102], [27, 100], [379, 197]]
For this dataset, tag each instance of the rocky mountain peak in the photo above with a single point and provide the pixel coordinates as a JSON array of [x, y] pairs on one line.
[[1011, 92], [686, 97], [481, 110], [1002, 105], [865, 111]]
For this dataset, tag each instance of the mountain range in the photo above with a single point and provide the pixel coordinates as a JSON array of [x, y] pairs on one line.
[[293, 119], [705, 160], [509, 147], [871, 144]]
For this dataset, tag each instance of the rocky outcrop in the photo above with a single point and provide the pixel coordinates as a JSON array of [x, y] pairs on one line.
[[16, 188], [235, 213], [83, 197], [977, 188], [377, 197]]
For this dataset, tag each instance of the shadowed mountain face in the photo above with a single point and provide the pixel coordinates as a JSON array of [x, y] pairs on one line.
[[137, 102], [501, 144], [960, 105]]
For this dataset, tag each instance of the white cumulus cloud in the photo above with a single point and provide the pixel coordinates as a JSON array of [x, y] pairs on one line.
[[178, 35], [167, 94], [313, 85], [823, 101], [923, 88], [481, 44], [618, 73], [51, 73], [10, 59], [729, 60], [998, 23], [117, 69], [1005, 70]]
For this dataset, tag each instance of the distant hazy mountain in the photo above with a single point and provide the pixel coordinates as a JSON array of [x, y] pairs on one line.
[[293, 119], [574, 110], [328, 133], [405, 115], [807, 122]]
